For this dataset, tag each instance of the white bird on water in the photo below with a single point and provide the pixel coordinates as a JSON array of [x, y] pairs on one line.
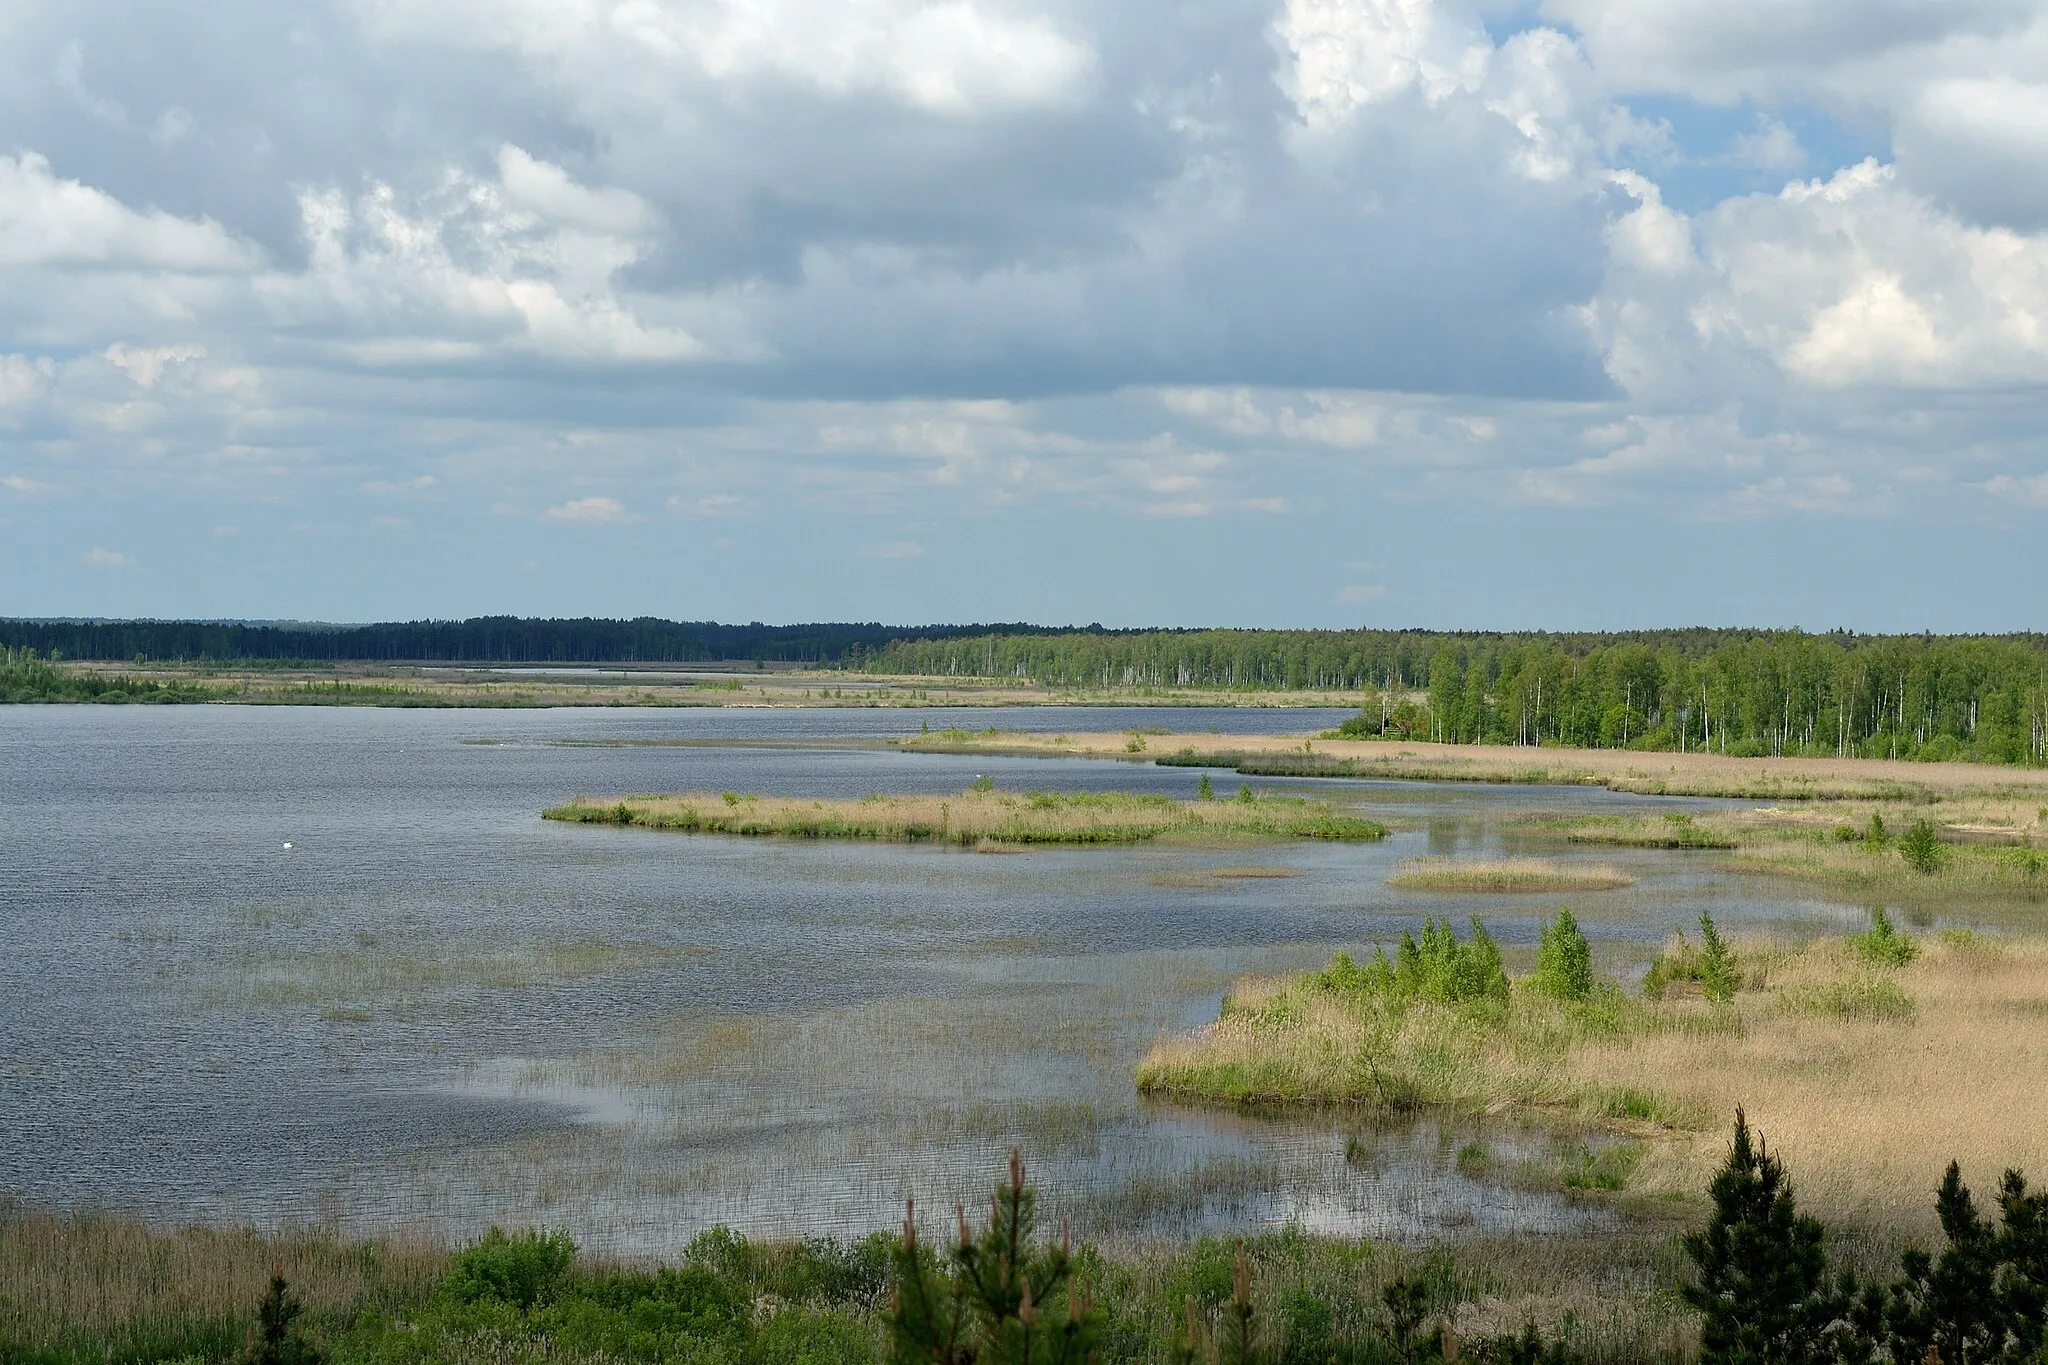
[[287, 846]]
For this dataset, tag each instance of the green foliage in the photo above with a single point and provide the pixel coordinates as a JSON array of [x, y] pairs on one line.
[[1875, 836], [1711, 964], [1765, 1293], [520, 1269], [1205, 790], [1437, 967], [1921, 848], [27, 677], [1719, 977], [1882, 943], [1867, 998], [1762, 1291], [1564, 960], [276, 1340], [982, 784], [1001, 1299], [1245, 793]]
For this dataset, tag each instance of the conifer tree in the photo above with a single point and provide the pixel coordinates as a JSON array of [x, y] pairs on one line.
[[1003, 1299], [1719, 976], [1564, 960], [1763, 1291], [276, 1339]]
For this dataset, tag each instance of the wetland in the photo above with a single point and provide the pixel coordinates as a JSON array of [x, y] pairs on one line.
[[328, 975]]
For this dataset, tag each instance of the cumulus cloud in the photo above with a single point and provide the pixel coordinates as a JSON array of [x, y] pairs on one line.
[[46, 220], [107, 559], [891, 257]]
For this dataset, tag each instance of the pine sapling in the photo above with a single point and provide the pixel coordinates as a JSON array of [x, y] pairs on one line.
[[1720, 978], [275, 1339], [1002, 1300]]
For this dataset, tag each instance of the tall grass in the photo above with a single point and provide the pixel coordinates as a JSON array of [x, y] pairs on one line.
[[1507, 875], [1869, 1075], [975, 816]]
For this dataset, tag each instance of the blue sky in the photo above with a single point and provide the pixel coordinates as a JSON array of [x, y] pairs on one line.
[[1577, 313]]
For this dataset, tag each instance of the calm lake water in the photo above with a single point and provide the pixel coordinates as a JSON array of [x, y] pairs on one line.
[[432, 1010]]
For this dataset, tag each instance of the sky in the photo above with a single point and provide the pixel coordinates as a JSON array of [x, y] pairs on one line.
[[1566, 314]]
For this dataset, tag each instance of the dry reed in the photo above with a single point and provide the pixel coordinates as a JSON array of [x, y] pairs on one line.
[[975, 816], [1868, 1099]]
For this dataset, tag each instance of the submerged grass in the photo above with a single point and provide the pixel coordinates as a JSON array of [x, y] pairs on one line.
[[976, 816], [1867, 1076], [1507, 875]]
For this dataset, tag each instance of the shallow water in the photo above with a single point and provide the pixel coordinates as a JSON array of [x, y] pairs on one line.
[[433, 1010]]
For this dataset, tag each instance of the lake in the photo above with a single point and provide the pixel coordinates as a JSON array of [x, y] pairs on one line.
[[328, 966]]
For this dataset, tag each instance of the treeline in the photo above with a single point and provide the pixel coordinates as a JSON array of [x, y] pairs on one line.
[[483, 639], [26, 678], [1746, 693]]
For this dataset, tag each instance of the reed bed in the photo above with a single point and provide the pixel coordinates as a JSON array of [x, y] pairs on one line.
[[1507, 875], [1963, 871], [976, 816], [136, 1293], [1655, 774], [1868, 1080], [1653, 831]]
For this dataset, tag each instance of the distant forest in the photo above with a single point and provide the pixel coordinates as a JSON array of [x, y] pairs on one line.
[[1744, 692], [482, 639]]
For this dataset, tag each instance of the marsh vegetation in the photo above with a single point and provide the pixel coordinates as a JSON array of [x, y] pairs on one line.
[[1507, 875], [1867, 1055], [979, 815]]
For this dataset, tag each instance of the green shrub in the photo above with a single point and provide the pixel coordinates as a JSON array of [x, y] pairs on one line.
[[1921, 849], [1564, 960], [1436, 967], [521, 1269], [1883, 944]]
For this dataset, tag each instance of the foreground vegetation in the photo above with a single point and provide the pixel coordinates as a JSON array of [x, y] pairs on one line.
[[1868, 1057], [1754, 1284], [980, 815]]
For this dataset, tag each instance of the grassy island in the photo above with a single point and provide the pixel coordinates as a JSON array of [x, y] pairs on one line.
[[977, 816], [1868, 1056], [1505, 875]]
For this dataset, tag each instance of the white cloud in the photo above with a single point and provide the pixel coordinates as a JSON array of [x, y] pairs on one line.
[[146, 364], [46, 221], [1351, 53], [947, 57], [107, 559], [1362, 592], [591, 512]]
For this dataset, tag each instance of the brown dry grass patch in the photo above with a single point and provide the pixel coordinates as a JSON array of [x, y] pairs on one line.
[[975, 817]]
